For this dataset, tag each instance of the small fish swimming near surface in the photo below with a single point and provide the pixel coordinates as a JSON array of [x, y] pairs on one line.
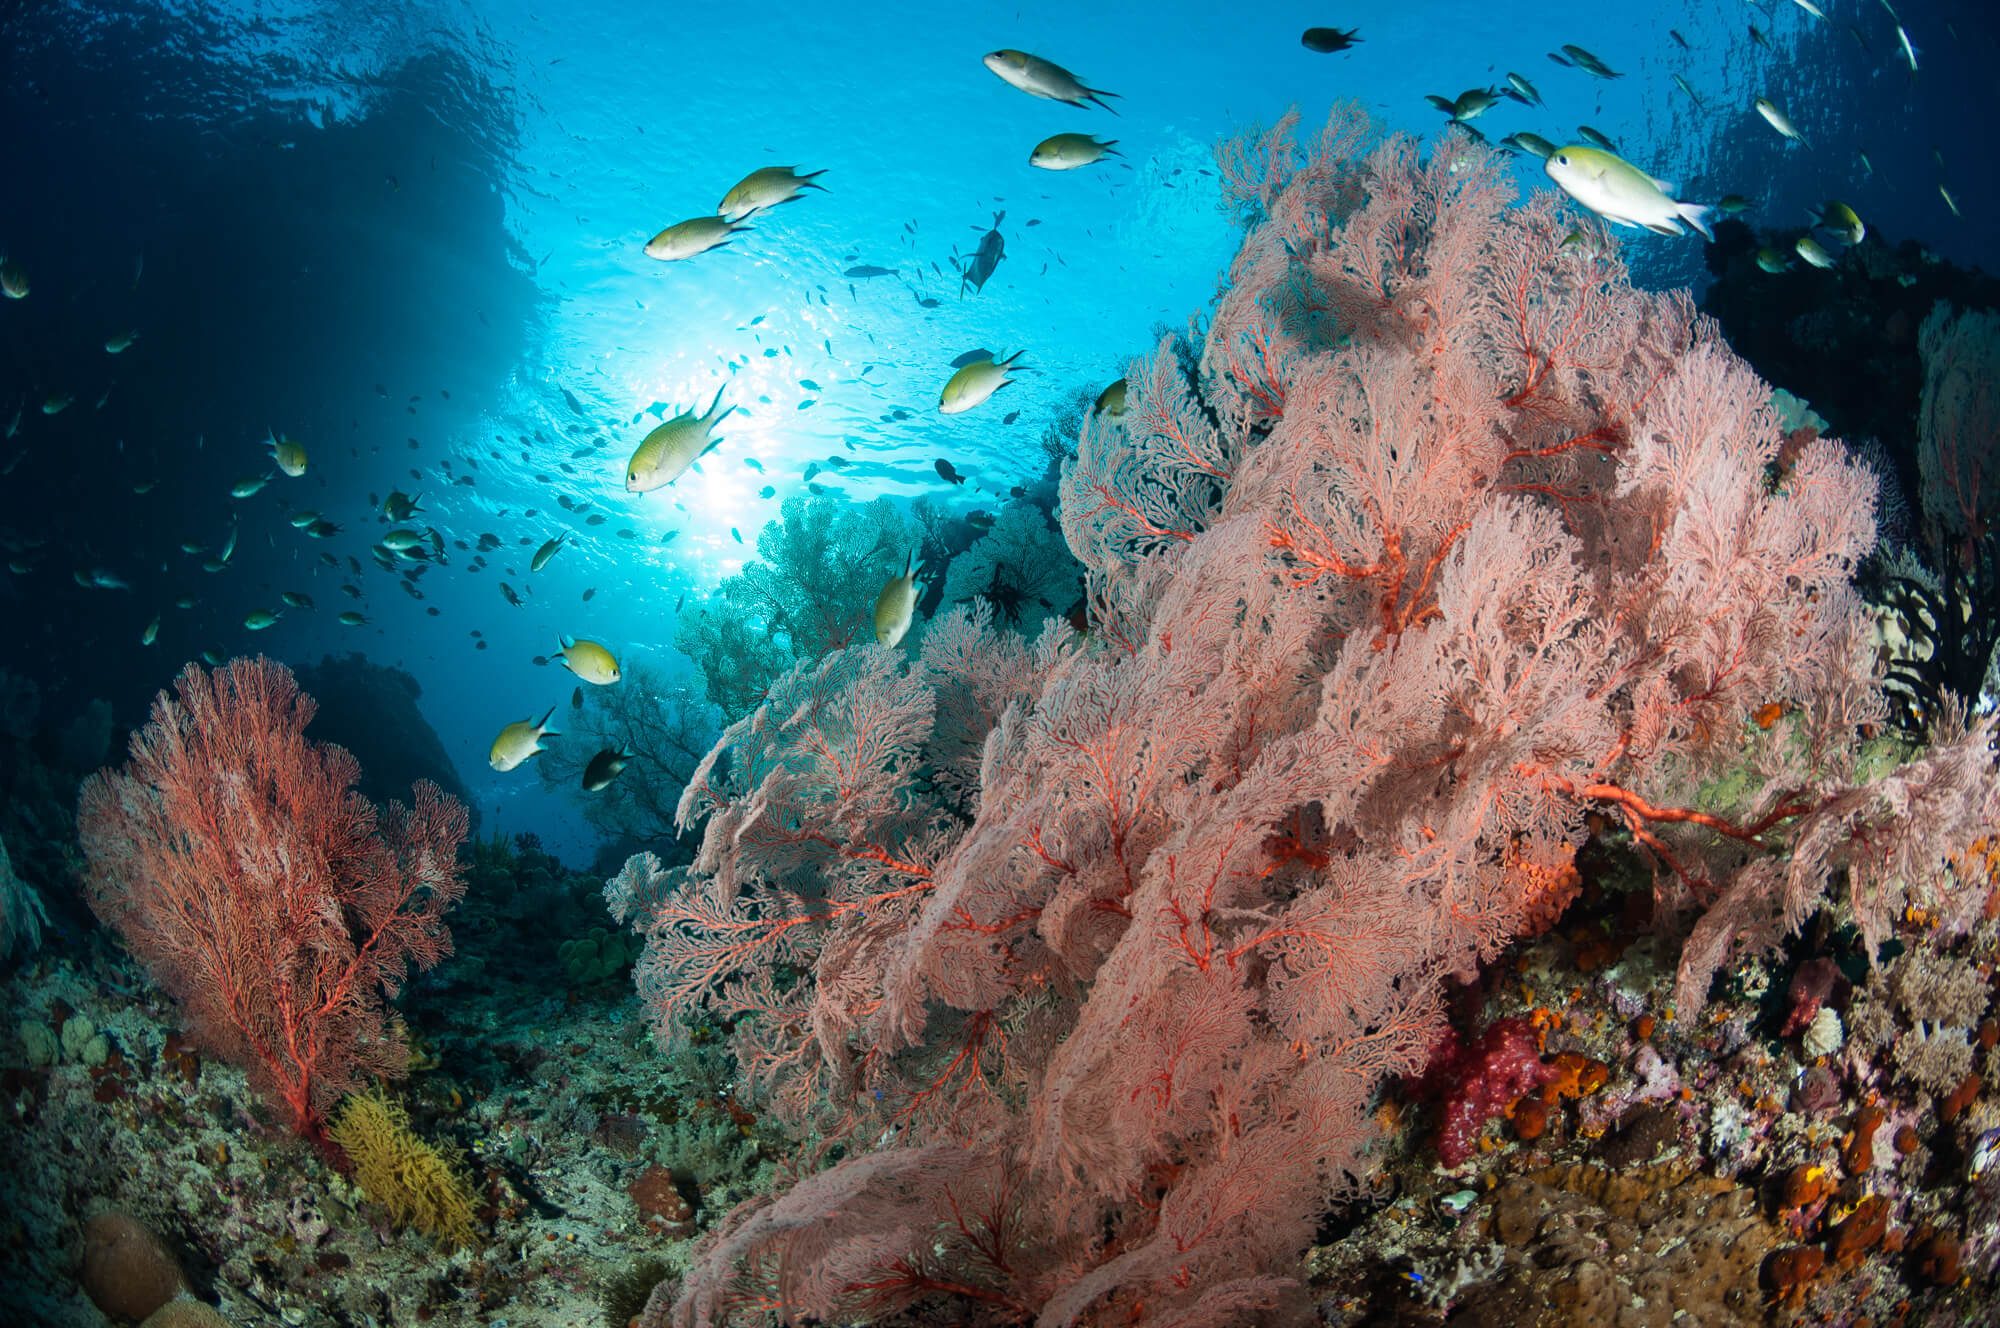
[[13, 281], [588, 660], [1842, 220], [100, 578], [55, 403], [1949, 201], [948, 472], [1328, 41], [765, 187], [519, 741], [1621, 193], [897, 604], [978, 270], [352, 619], [1909, 51], [1534, 144], [301, 519], [1812, 9], [1523, 91], [258, 619], [864, 271], [249, 486], [976, 382], [1044, 78], [1593, 137], [288, 454], [1779, 121], [152, 632], [1813, 252], [697, 235], [1068, 152], [400, 507], [120, 343], [297, 599], [666, 453], [1589, 63], [1473, 103], [1688, 88], [604, 767], [548, 550], [507, 593]]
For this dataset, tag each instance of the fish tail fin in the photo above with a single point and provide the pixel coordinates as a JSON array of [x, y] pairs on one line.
[[1098, 95], [1009, 361], [544, 724], [709, 416], [1110, 145], [1697, 215], [806, 181]]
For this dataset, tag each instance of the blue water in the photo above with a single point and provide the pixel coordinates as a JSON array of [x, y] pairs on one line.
[[402, 232]]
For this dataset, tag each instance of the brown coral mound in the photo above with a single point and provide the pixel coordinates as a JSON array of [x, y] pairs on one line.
[[127, 1270], [1602, 1249]]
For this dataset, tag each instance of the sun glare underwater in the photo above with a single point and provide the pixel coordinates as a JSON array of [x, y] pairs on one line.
[[1076, 664]]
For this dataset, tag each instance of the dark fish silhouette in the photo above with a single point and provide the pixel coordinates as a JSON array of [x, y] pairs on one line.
[[948, 472], [570, 398], [981, 354], [1329, 40], [978, 270], [867, 270], [603, 768]]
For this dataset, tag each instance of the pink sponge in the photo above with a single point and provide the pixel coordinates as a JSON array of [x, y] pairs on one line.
[[1476, 1081]]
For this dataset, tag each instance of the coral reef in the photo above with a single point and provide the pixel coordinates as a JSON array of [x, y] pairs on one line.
[[276, 904], [1440, 557]]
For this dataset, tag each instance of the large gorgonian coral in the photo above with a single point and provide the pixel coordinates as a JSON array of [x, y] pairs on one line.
[[1440, 539]]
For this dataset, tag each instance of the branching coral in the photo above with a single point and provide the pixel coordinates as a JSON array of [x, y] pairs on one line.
[[1021, 567], [810, 589], [666, 727]]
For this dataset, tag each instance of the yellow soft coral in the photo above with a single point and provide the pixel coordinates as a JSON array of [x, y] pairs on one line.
[[420, 1185]]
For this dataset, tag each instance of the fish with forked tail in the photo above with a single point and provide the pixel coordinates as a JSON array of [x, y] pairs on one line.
[[1044, 78], [978, 269]]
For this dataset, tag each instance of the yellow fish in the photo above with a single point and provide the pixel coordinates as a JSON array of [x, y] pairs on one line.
[[897, 604], [588, 661], [519, 741], [1066, 152], [667, 452], [289, 455], [973, 384], [1044, 78], [697, 235], [763, 188], [1111, 401]]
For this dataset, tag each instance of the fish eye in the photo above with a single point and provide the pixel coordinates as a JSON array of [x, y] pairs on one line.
[[1562, 159]]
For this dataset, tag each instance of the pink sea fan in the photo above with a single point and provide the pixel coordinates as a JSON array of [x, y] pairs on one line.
[[1438, 539]]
